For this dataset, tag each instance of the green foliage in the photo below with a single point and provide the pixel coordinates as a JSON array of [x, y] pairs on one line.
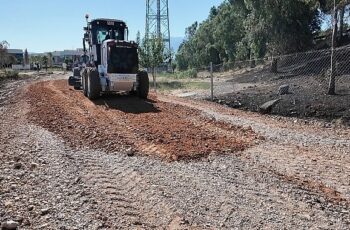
[[49, 59], [151, 55], [26, 57], [35, 59], [3, 53], [9, 74], [168, 82], [173, 66], [175, 85], [249, 29], [151, 52], [44, 61], [191, 73], [68, 61]]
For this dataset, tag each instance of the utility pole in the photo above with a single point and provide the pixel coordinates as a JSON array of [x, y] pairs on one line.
[[157, 22]]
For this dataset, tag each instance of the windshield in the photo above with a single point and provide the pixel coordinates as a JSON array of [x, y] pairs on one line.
[[104, 34], [122, 60]]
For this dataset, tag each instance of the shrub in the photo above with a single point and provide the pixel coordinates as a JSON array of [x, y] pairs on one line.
[[191, 73], [12, 74], [9, 74]]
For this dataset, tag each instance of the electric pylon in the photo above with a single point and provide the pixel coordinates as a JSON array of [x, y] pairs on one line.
[[157, 22]]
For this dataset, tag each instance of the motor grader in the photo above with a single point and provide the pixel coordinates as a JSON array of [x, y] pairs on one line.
[[110, 62]]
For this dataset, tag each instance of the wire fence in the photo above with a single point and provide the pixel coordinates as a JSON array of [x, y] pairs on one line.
[[290, 85]]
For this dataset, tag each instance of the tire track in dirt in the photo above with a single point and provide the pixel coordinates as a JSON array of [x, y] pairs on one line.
[[125, 198]]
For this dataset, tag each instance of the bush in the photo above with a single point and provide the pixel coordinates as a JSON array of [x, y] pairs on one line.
[[191, 73], [12, 74], [9, 74]]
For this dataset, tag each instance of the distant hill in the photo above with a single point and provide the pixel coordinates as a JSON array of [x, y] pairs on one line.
[[176, 42]]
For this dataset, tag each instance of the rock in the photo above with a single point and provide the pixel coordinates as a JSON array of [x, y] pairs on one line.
[[8, 204], [268, 106], [130, 153], [33, 166], [77, 180], [44, 211], [17, 158], [17, 165], [283, 90], [19, 219], [30, 208], [9, 225], [26, 222]]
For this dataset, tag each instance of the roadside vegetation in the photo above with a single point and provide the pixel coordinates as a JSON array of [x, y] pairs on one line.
[[181, 81], [8, 74], [247, 30]]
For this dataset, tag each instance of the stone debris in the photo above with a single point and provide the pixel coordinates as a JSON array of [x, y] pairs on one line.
[[283, 89], [9, 225], [268, 106]]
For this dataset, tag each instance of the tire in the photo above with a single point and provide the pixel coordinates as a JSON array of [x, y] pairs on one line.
[[77, 86], [84, 81], [71, 81], [76, 72], [143, 85], [93, 84]]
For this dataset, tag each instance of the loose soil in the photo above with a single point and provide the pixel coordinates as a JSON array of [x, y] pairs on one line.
[[165, 130], [166, 163]]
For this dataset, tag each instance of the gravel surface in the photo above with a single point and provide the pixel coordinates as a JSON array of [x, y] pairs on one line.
[[287, 173]]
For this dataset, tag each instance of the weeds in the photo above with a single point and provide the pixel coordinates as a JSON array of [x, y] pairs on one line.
[[9, 74], [173, 85]]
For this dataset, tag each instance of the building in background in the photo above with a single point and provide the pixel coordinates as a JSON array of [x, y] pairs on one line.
[[18, 55], [60, 56]]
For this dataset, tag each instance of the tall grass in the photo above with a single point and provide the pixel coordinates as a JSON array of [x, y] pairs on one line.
[[8, 74]]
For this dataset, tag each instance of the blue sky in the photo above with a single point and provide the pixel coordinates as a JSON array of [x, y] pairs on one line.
[[47, 25]]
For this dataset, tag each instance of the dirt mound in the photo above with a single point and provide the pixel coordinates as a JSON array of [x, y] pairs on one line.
[[120, 122]]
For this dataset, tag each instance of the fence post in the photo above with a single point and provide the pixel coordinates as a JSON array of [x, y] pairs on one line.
[[331, 87], [211, 82], [274, 65]]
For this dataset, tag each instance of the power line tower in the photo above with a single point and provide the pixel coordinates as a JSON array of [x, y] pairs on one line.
[[157, 22]]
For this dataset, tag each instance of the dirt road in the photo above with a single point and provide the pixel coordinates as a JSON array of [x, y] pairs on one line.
[[165, 163]]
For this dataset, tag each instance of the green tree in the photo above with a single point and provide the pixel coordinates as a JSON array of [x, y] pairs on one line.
[[4, 45], [249, 29], [50, 59], [44, 61], [26, 57], [173, 66], [152, 55], [35, 59], [337, 9], [279, 27]]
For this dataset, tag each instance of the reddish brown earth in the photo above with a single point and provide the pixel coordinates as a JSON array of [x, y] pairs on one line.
[[151, 127]]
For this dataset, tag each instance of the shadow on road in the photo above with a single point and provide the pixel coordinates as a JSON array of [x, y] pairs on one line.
[[128, 104]]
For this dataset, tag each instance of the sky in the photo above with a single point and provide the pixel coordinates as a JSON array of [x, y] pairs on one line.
[[49, 25]]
